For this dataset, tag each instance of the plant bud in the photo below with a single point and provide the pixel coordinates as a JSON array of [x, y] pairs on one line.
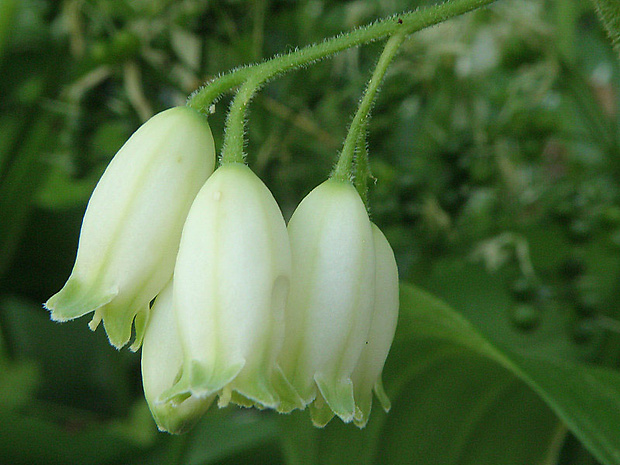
[[231, 282], [332, 295], [132, 225]]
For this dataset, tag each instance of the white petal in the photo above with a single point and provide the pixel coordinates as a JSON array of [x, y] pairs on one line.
[[133, 222], [162, 360], [329, 309], [367, 374], [230, 286]]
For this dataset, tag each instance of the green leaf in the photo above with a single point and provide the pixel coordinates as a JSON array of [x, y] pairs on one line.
[[449, 407], [466, 410], [459, 399], [485, 299], [77, 368], [222, 436], [609, 13], [28, 438], [585, 398], [225, 432]]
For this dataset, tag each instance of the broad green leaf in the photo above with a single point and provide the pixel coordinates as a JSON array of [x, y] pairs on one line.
[[223, 433], [456, 408], [449, 407], [222, 436], [586, 399], [77, 368], [485, 300], [30, 438], [458, 399]]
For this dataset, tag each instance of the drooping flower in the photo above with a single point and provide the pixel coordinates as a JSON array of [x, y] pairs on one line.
[[231, 281], [331, 302], [367, 374], [133, 222], [162, 359]]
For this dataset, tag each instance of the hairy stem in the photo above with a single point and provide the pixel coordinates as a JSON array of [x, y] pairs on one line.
[[406, 24], [343, 169], [256, 76]]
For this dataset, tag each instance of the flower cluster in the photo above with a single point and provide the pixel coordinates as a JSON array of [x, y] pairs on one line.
[[246, 310]]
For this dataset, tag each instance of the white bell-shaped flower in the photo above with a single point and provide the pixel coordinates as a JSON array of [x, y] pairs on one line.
[[162, 359], [231, 282], [330, 306], [132, 226], [367, 374]]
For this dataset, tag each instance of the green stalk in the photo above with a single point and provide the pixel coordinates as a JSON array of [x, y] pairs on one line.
[[406, 23], [257, 75], [232, 150], [343, 168]]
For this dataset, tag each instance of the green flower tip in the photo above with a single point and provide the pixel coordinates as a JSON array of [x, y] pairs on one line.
[[74, 300], [178, 417]]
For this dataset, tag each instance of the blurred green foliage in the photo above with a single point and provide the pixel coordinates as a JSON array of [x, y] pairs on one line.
[[494, 143]]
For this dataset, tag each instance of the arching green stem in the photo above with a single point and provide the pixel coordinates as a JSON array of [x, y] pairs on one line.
[[405, 24], [343, 169]]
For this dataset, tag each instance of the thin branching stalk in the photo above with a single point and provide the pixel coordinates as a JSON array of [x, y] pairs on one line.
[[254, 77]]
